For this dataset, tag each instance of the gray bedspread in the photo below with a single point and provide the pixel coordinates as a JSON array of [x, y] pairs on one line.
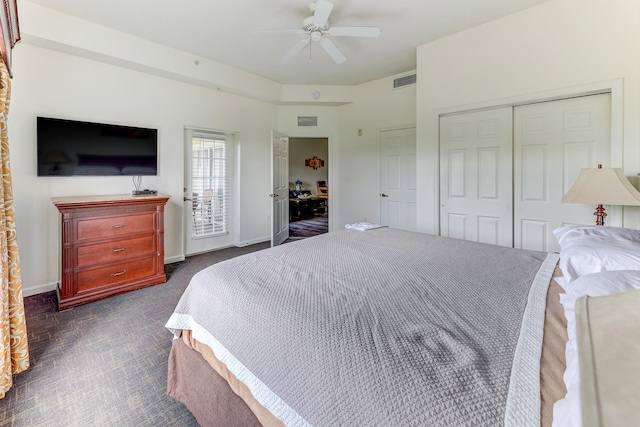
[[377, 328]]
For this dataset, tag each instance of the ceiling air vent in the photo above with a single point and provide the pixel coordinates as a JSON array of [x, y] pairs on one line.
[[307, 121], [404, 81]]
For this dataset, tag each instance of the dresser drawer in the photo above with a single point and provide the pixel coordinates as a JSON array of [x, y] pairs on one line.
[[89, 280], [113, 251], [113, 226]]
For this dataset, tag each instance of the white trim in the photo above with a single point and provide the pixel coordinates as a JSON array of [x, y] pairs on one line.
[[243, 243], [38, 289], [176, 258], [210, 131], [398, 127]]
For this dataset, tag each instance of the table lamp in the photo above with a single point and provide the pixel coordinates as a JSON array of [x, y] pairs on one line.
[[602, 186]]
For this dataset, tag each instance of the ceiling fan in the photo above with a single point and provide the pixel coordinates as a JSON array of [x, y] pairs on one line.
[[317, 27]]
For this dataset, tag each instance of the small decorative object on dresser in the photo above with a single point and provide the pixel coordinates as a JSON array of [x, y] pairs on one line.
[[110, 245]]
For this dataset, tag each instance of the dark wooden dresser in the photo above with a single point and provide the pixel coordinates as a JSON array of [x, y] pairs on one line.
[[110, 245]]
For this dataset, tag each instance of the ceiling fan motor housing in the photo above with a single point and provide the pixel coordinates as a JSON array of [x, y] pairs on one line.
[[308, 25]]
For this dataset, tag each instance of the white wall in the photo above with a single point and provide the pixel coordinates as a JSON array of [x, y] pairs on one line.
[[54, 84], [354, 159], [551, 48], [68, 68]]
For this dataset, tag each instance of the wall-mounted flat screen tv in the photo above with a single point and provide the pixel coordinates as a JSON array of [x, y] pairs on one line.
[[70, 148]]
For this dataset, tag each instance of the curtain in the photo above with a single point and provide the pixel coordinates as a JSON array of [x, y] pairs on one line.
[[14, 350]]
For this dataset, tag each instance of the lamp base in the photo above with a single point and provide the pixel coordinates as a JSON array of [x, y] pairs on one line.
[[600, 215]]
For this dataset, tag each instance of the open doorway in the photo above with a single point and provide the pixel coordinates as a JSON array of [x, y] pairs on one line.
[[309, 187]]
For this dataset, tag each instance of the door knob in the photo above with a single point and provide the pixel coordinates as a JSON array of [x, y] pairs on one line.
[[273, 195], [384, 195]]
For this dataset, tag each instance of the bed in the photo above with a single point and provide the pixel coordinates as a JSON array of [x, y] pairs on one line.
[[378, 327]]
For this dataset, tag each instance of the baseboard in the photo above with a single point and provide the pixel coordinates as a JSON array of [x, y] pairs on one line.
[[172, 259], [253, 241], [39, 289]]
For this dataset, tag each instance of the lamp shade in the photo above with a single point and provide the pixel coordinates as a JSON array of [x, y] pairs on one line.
[[602, 186]]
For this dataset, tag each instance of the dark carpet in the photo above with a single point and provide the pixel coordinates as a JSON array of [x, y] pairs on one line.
[[104, 363], [308, 227]]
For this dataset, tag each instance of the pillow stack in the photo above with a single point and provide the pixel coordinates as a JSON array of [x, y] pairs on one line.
[[592, 249], [595, 261]]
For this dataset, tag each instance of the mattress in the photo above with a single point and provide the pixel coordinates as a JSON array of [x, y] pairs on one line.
[[506, 287]]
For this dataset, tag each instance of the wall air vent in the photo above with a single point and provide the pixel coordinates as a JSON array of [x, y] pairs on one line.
[[307, 121], [404, 81]]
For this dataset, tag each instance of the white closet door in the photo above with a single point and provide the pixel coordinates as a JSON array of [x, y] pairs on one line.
[[552, 142], [476, 190]]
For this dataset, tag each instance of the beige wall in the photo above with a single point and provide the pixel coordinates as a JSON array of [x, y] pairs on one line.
[[561, 46]]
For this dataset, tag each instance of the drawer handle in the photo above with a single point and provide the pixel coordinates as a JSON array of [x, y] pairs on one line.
[[118, 250], [119, 274], [118, 225]]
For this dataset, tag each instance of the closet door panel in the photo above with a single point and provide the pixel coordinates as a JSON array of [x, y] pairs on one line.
[[552, 142], [476, 176], [489, 230], [534, 173]]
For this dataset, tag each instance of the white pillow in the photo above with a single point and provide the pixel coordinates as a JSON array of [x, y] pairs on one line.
[[591, 249], [567, 412]]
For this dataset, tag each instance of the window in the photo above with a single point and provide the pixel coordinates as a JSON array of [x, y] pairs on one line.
[[210, 179]]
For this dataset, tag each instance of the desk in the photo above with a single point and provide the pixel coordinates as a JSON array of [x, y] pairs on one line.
[[305, 208]]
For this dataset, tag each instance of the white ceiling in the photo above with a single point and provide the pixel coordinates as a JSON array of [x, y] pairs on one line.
[[223, 31]]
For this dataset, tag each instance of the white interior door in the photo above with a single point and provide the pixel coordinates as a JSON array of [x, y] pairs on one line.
[[280, 188], [552, 142], [398, 179], [476, 176]]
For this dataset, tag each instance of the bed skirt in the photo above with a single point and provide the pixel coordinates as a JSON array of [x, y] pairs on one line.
[[206, 394]]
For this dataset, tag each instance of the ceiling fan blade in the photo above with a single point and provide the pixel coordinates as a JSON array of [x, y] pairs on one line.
[[321, 15], [333, 51], [354, 31], [280, 32], [297, 48]]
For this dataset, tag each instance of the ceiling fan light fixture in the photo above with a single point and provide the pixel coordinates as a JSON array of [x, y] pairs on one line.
[[316, 36]]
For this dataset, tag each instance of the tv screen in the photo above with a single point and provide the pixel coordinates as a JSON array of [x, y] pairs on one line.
[[68, 148]]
